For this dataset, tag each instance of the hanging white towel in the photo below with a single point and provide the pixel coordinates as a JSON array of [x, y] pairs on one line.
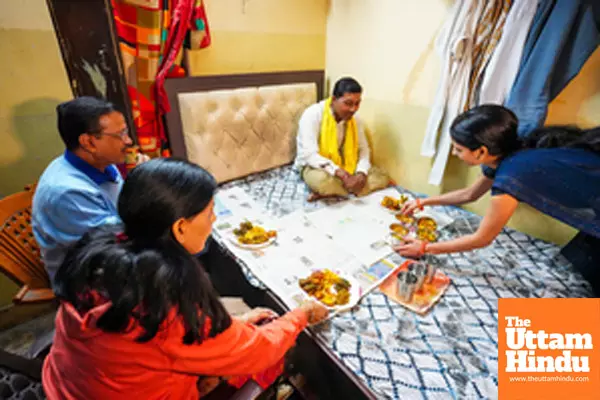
[[503, 67], [454, 45]]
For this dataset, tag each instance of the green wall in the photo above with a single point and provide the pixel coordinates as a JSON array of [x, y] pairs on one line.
[[32, 82]]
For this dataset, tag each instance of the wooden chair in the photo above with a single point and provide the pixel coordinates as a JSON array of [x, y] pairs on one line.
[[20, 257]]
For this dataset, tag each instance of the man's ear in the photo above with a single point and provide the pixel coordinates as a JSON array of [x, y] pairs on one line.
[[86, 142]]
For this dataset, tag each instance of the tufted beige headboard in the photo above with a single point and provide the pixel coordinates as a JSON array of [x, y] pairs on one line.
[[236, 125]]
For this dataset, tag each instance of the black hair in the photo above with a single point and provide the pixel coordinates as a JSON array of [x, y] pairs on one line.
[[80, 115], [147, 272], [495, 127], [346, 85]]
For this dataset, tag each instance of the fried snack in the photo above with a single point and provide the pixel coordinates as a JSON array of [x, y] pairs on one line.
[[399, 230], [427, 223], [390, 203], [405, 219], [327, 287], [394, 204], [247, 233], [427, 235]]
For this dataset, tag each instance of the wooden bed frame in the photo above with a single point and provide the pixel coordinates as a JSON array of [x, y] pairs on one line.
[[175, 86]]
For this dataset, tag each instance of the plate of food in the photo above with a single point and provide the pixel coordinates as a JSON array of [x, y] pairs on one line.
[[407, 220], [252, 236], [426, 229], [394, 204], [332, 290], [441, 220], [422, 228], [399, 230], [426, 223]]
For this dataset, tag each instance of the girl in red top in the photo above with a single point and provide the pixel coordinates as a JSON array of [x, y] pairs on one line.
[[139, 318]]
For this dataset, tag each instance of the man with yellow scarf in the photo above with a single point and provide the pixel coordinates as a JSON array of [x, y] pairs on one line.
[[333, 154]]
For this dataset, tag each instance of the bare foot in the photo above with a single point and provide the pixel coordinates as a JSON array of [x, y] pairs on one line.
[[313, 197], [316, 196]]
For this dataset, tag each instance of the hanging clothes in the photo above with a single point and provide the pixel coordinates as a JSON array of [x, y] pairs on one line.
[[151, 35], [503, 66], [489, 31], [563, 35], [174, 33], [463, 56], [453, 46]]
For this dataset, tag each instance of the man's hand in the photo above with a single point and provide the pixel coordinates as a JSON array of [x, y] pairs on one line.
[[355, 183], [360, 182], [345, 177], [342, 174]]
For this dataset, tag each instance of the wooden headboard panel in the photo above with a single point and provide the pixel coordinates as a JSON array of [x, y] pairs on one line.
[[200, 95]]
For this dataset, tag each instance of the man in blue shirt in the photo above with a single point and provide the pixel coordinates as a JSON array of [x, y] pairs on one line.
[[79, 189]]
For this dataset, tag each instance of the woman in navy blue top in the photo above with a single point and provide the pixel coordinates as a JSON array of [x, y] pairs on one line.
[[555, 170]]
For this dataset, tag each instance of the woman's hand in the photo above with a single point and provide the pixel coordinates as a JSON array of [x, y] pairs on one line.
[[410, 207], [412, 248], [315, 311], [501, 209], [258, 314]]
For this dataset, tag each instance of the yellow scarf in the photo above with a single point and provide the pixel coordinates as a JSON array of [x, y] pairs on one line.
[[328, 143]]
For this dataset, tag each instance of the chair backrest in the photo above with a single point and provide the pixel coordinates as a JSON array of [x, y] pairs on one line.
[[20, 256]]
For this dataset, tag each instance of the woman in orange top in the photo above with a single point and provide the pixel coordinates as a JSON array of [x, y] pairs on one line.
[[139, 318]]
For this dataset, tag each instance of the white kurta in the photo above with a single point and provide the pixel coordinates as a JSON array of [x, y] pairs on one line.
[[454, 45], [504, 65], [309, 129]]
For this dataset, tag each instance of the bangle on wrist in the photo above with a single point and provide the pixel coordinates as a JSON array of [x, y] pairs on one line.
[[423, 250], [419, 204]]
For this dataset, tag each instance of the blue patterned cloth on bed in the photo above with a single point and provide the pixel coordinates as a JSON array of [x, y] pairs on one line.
[[452, 352]]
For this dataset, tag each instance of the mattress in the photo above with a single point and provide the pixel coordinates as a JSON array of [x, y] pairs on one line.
[[452, 351]]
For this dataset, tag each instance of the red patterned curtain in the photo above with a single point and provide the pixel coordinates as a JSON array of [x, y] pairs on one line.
[[152, 34]]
